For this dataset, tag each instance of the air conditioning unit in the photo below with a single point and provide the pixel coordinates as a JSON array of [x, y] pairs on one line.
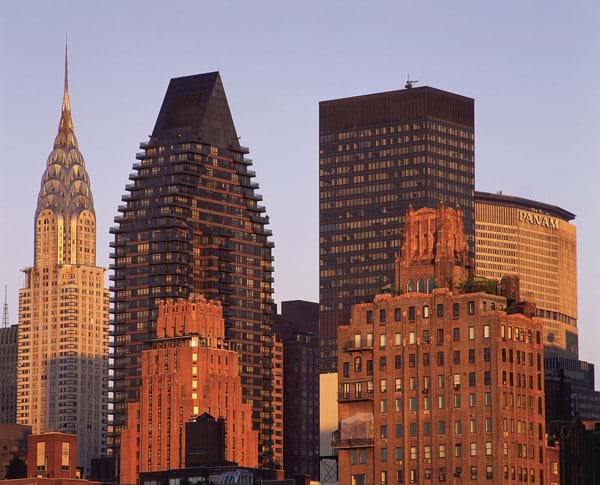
[[427, 461], [456, 387]]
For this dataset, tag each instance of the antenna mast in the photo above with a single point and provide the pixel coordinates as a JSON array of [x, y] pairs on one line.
[[5, 323]]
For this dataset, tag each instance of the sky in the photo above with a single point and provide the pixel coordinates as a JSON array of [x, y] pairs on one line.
[[533, 69]]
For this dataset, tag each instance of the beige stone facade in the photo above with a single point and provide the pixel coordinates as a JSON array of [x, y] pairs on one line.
[[63, 308], [536, 242]]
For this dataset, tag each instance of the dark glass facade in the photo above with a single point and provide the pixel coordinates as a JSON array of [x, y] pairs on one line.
[[379, 154], [191, 222]]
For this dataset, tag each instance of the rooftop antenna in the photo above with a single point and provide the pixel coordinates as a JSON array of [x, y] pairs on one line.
[[5, 323], [409, 82]]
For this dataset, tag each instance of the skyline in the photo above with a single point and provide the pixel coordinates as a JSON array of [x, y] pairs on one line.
[[114, 113]]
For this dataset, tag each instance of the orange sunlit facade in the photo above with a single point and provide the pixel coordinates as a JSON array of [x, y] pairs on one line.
[[187, 370]]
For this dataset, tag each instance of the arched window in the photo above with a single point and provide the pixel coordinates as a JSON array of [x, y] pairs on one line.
[[357, 364], [429, 284], [421, 285], [410, 286]]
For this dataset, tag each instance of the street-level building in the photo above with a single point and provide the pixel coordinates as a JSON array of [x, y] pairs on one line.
[[435, 383]]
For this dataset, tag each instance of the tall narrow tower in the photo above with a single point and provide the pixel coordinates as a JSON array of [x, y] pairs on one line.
[[63, 306]]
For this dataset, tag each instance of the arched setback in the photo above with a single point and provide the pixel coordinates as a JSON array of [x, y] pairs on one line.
[[421, 285], [48, 238], [84, 238], [430, 284], [410, 286]]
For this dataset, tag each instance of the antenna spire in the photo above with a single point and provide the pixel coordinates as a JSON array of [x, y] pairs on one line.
[[66, 64], [5, 322]]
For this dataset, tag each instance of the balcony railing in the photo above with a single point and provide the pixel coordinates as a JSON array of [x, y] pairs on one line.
[[337, 442]]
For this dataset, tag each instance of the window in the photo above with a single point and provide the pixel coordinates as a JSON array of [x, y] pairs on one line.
[[410, 286], [473, 472], [412, 429], [430, 284], [441, 401], [441, 427], [457, 401], [400, 476], [471, 379], [455, 310], [472, 400], [412, 403], [488, 448], [473, 426], [357, 364], [369, 340], [397, 314], [426, 338], [456, 334], [346, 367], [487, 378], [471, 356], [471, 306], [473, 449], [411, 313], [412, 360], [440, 336], [488, 425], [399, 431], [369, 316], [382, 363], [442, 451], [398, 405], [384, 476], [382, 315], [471, 333], [413, 452], [383, 454], [421, 285], [412, 338], [398, 384], [357, 342], [412, 383], [427, 428], [426, 403], [426, 359], [440, 310], [359, 479], [382, 385], [486, 331], [486, 354], [456, 357], [397, 338], [427, 452], [383, 406], [426, 311], [441, 381], [399, 453], [456, 381], [382, 341], [413, 476], [398, 362], [489, 473], [457, 427], [369, 367], [458, 449]]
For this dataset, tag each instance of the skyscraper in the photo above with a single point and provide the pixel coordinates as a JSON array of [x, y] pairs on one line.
[[436, 384], [8, 373], [537, 242], [191, 223], [379, 154], [63, 306]]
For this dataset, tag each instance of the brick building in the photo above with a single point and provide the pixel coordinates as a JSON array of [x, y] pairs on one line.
[[187, 370], [8, 373], [437, 383]]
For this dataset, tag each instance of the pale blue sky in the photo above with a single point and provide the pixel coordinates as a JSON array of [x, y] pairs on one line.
[[532, 67]]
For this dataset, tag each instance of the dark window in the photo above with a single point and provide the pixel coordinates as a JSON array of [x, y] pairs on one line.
[[412, 429], [426, 336], [440, 358], [427, 428], [346, 369], [357, 364], [397, 314], [399, 431], [411, 313], [426, 359], [456, 334], [471, 307], [440, 310], [382, 315], [369, 367], [487, 354], [369, 316], [456, 357], [455, 310], [472, 379], [382, 363], [471, 356], [440, 335], [398, 362], [412, 360], [441, 427]]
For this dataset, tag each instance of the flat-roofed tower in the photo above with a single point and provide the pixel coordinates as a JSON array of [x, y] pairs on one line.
[[378, 155], [63, 306]]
